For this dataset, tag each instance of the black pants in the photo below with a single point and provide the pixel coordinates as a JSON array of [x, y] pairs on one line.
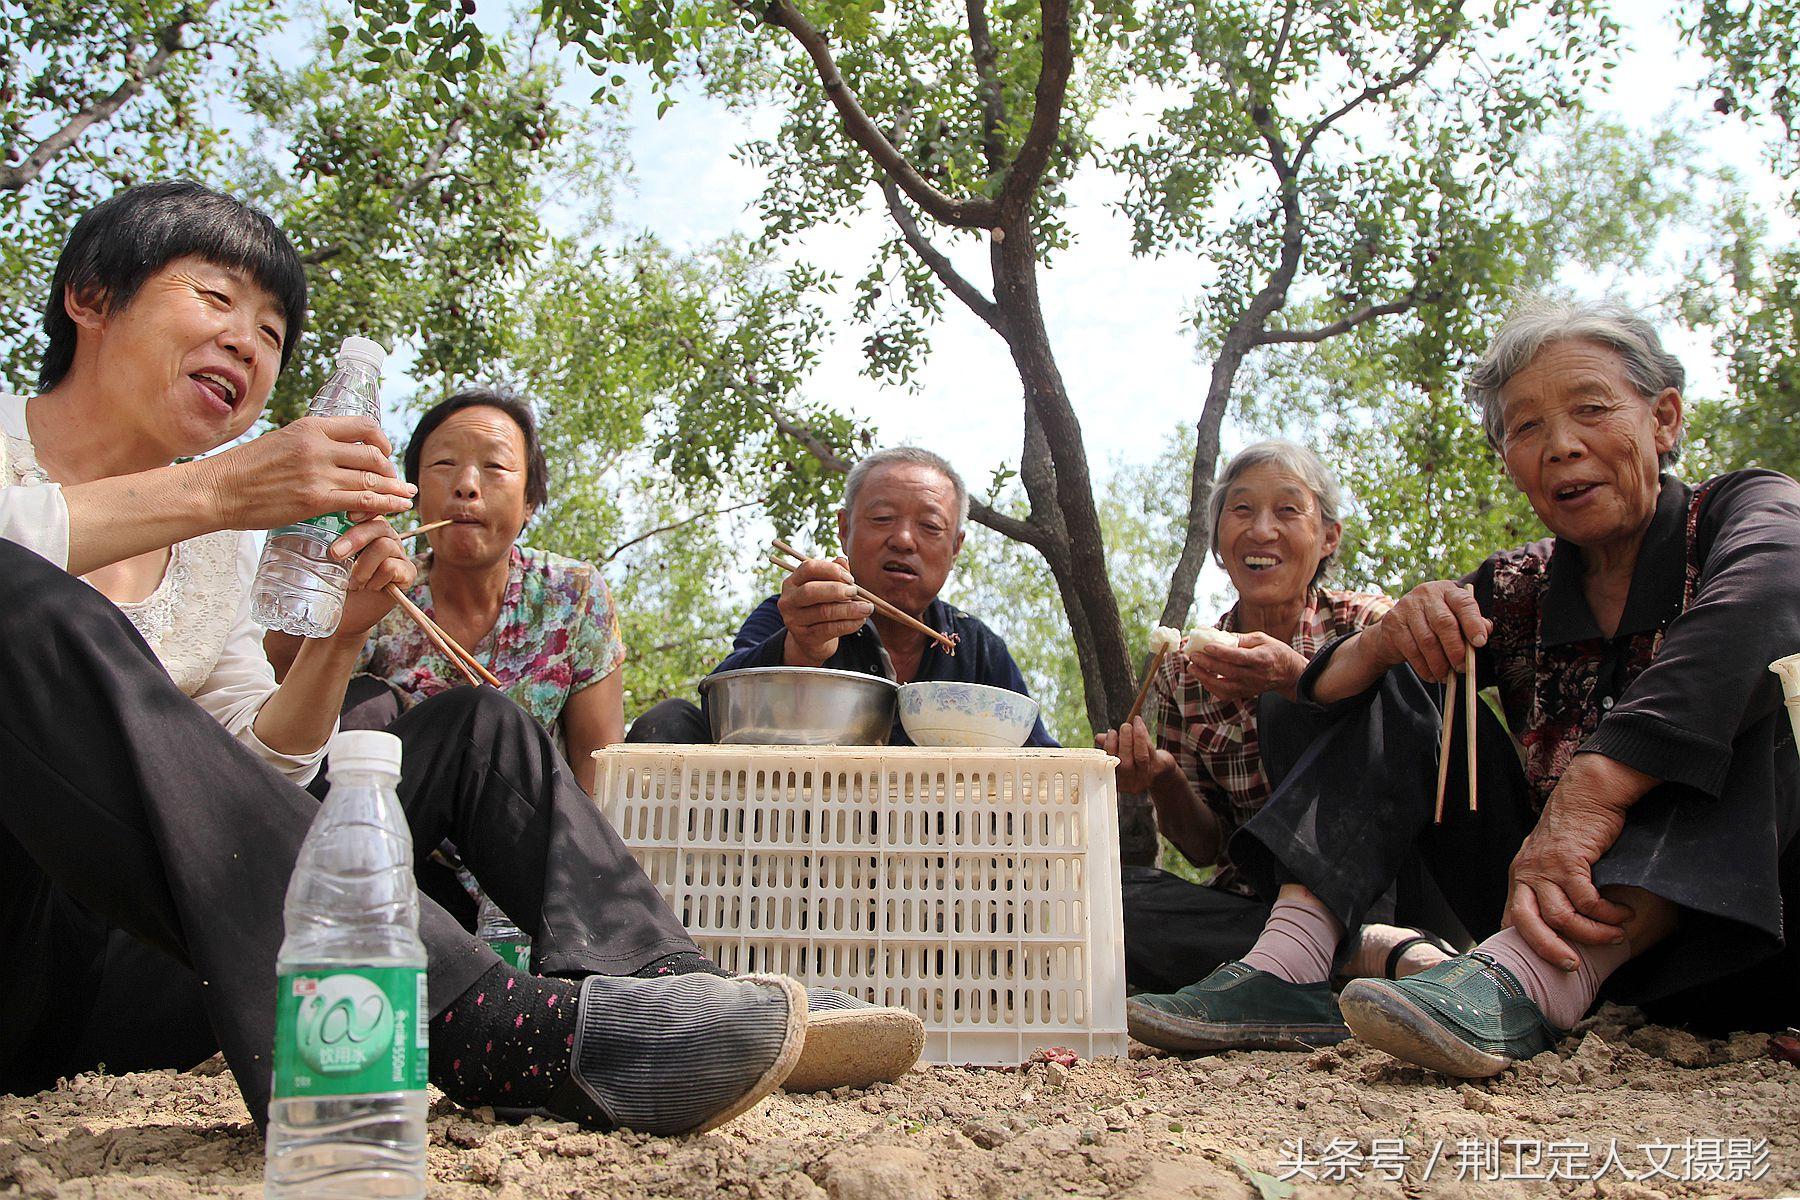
[[1353, 816], [674, 721], [145, 853], [1177, 932]]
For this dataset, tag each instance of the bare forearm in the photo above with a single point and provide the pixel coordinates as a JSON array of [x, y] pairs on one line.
[[301, 714], [1183, 817], [281, 649], [126, 515]]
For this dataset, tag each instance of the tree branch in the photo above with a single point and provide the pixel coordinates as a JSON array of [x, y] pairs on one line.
[[1375, 91], [1058, 61], [814, 445], [1281, 38], [1007, 527], [934, 258], [993, 107], [672, 527], [1373, 312], [430, 171], [168, 45], [965, 213]]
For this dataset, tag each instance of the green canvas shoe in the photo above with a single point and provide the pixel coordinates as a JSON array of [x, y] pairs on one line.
[[1467, 1017], [1238, 1008]]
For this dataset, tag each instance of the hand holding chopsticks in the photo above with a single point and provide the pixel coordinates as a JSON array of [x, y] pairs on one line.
[[789, 559]]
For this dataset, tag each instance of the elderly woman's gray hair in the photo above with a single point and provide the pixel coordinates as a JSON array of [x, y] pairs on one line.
[[1540, 321], [1295, 460], [905, 456]]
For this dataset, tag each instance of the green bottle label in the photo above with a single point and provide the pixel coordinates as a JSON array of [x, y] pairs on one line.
[[350, 1031], [514, 952], [333, 523]]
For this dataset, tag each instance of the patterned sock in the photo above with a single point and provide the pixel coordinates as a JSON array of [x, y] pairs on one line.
[[1564, 996], [506, 1041], [1298, 941], [687, 962]]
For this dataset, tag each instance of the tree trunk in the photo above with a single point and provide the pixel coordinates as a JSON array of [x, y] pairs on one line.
[[1078, 560]]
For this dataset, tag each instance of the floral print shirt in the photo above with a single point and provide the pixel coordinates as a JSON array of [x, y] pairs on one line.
[[557, 632], [1215, 741]]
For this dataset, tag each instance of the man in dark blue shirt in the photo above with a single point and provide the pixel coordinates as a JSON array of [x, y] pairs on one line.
[[901, 528]]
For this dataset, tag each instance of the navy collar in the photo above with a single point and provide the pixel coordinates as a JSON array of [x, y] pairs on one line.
[[1658, 580]]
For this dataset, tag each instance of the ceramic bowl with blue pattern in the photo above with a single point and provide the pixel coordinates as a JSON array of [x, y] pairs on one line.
[[938, 713]]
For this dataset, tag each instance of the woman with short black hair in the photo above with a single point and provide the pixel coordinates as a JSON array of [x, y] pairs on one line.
[[543, 623], [150, 812]]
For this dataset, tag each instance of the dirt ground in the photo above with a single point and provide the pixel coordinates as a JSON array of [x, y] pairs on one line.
[[1622, 1109]]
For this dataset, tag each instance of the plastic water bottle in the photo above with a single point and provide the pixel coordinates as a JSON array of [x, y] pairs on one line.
[[494, 927], [347, 1118], [299, 588], [503, 937]]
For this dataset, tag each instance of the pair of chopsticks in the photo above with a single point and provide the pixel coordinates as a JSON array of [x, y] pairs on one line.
[[789, 559], [448, 646], [1470, 699]]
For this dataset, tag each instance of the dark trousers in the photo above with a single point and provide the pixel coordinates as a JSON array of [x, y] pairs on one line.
[[1177, 932], [1352, 816], [145, 853], [673, 721]]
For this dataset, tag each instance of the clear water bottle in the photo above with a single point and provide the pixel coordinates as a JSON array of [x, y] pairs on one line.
[[347, 1118], [299, 588], [503, 937]]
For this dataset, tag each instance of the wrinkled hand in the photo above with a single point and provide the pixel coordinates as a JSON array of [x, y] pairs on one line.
[[819, 605], [1551, 897], [380, 559], [1429, 630], [1257, 664], [1141, 760], [314, 466]]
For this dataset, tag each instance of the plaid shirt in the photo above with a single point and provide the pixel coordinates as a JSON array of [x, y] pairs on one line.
[[1215, 740]]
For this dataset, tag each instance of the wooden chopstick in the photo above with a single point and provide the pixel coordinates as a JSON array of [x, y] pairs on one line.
[[415, 532], [447, 645], [1437, 817], [1470, 699], [1156, 661], [943, 639]]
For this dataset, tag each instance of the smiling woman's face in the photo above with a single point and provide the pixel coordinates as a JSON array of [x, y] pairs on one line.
[[204, 341], [1272, 536], [1583, 444], [472, 470]]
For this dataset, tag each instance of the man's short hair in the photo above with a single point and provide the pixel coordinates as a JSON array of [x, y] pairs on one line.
[[908, 456], [125, 239]]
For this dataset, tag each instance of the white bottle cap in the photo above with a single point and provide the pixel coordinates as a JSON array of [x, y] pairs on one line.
[[365, 750], [362, 350]]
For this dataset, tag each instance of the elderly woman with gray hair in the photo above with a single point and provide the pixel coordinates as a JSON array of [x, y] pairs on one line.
[[1641, 845], [1217, 712]]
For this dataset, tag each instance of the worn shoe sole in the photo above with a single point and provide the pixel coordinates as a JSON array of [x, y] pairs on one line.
[[1167, 1031], [857, 1047], [1385, 1018], [785, 1062]]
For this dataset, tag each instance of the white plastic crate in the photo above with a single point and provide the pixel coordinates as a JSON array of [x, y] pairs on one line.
[[978, 888]]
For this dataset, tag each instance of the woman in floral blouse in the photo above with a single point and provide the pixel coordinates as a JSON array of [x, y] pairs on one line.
[[544, 624]]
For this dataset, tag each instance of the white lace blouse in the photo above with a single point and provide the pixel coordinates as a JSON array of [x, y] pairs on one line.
[[197, 620]]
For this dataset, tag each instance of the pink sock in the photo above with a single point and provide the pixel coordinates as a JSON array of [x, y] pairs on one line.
[[1565, 996], [1298, 941]]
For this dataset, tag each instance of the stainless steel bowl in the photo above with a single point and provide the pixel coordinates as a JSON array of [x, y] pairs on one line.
[[799, 706]]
